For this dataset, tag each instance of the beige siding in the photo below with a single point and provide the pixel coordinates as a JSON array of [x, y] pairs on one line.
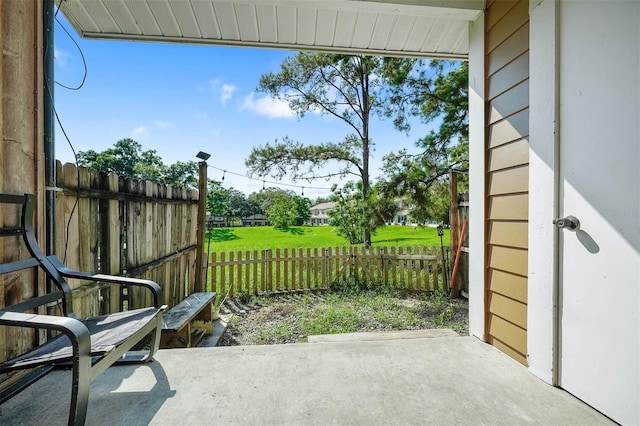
[[508, 233], [509, 155], [515, 99], [510, 15], [509, 129], [508, 207], [508, 285], [507, 180]]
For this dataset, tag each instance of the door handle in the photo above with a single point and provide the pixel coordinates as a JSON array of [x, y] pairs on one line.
[[570, 223]]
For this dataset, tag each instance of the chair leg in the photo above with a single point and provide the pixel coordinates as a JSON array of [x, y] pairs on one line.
[[81, 382], [146, 355], [154, 344]]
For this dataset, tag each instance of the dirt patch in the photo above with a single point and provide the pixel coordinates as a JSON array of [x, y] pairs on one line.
[[291, 318]]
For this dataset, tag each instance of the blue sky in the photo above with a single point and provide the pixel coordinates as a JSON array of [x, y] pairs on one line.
[[181, 99]]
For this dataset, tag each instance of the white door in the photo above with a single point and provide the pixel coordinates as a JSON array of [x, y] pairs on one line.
[[600, 185]]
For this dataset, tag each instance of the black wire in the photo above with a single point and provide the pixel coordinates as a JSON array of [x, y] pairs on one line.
[[84, 61], [291, 185]]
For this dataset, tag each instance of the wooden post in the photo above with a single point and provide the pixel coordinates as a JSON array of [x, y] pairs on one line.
[[200, 284], [454, 271], [454, 224]]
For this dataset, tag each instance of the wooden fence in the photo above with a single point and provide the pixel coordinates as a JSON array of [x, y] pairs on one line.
[[290, 270], [112, 225]]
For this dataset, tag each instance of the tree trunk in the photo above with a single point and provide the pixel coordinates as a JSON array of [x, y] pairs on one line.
[[366, 238]]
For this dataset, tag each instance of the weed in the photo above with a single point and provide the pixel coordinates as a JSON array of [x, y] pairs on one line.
[[446, 315], [331, 319], [306, 300], [356, 285], [286, 319], [281, 332], [245, 297], [398, 319]]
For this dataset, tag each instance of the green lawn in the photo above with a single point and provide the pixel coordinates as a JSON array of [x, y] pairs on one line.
[[265, 237]]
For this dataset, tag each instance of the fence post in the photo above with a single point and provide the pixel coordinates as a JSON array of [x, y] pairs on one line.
[[454, 225], [267, 266], [213, 271], [325, 268], [200, 284]]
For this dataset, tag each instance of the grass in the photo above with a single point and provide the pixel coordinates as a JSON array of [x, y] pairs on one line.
[[290, 318], [266, 237]]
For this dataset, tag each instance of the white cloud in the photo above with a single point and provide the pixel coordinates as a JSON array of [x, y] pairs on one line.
[[60, 57], [267, 107], [222, 90], [226, 92], [163, 124], [139, 131]]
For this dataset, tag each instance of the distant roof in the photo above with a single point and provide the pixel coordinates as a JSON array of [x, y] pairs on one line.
[[324, 206], [415, 28]]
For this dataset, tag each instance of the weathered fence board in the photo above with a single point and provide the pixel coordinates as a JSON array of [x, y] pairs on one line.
[[105, 223]]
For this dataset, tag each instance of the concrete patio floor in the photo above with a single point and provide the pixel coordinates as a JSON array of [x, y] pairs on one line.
[[443, 380]]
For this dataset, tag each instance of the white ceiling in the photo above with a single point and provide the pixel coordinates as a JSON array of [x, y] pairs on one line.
[[431, 28]]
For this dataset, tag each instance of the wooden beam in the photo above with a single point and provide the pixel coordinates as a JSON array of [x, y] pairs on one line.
[[200, 284]]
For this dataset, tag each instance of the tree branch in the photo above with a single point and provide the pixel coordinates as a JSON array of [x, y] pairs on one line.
[[349, 103]]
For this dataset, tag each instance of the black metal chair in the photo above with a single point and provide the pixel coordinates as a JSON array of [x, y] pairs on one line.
[[88, 345]]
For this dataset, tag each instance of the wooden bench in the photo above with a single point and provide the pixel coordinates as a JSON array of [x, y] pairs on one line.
[[188, 321], [88, 345]]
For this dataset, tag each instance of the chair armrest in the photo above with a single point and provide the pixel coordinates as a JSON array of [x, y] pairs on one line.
[[70, 273], [74, 329]]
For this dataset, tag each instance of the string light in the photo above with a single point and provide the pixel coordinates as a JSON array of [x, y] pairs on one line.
[[264, 182]]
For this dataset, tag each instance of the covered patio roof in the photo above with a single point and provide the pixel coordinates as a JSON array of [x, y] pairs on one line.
[[413, 28]]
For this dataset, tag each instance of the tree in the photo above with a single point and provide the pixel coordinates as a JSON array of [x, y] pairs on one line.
[[237, 206], [436, 206], [265, 197], [181, 174], [350, 88], [303, 211], [297, 207], [126, 158], [149, 166], [350, 216], [435, 93], [384, 208], [282, 211], [122, 159], [217, 197]]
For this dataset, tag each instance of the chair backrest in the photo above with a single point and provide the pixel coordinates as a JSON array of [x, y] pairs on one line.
[[62, 292]]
